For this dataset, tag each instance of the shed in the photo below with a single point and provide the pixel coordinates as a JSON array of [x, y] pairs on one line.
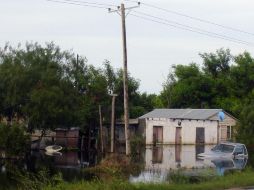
[[69, 138], [187, 126], [120, 130]]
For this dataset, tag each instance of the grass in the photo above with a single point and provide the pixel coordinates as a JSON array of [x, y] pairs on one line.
[[237, 179]]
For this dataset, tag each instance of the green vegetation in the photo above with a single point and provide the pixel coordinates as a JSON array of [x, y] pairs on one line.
[[17, 178], [46, 88], [238, 179], [14, 140], [116, 167], [222, 81], [137, 144]]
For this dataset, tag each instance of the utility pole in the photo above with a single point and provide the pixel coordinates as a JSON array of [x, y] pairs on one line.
[[112, 139], [125, 83], [101, 132], [125, 74]]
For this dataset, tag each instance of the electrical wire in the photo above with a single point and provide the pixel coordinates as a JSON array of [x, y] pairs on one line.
[[190, 27], [92, 3], [158, 20], [79, 4], [194, 18], [191, 30]]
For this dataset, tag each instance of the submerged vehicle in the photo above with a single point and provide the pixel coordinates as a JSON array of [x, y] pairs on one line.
[[226, 150]]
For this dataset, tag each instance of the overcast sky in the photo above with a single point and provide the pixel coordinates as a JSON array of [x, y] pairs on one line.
[[152, 48]]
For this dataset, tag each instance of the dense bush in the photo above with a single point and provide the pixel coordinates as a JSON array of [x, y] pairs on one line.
[[137, 143], [13, 139]]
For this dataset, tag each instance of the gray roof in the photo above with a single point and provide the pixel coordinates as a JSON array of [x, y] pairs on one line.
[[201, 114]]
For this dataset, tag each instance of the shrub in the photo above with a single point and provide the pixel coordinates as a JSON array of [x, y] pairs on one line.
[[13, 139], [137, 144]]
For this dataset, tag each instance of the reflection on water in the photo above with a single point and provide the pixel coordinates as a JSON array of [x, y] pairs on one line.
[[161, 160], [174, 157], [69, 163], [224, 165], [159, 163]]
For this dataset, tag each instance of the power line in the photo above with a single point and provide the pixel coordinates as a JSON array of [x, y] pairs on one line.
[[92, 3], [79, 4], [165, 21], [195, 18], [190, 27], [191, 30]]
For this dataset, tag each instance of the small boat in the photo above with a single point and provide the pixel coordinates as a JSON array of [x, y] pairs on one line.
[[226, 150], [53, 148]]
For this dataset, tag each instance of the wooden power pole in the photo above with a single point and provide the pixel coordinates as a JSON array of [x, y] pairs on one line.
[[125, 76], [101, 131], [125, 83], [112, 136]]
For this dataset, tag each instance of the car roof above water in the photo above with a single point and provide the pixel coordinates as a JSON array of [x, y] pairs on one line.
[[231, 143]]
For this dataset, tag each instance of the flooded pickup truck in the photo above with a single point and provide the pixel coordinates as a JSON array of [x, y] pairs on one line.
[[226, 150]]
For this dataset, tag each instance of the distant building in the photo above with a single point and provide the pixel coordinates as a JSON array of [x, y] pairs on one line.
[[187, 126], [120, 130], [68, 138]]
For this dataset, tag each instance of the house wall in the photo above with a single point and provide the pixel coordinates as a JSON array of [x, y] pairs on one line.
[[188, 130], [141, 126], [223, 130], [228, 120], [67, 138]]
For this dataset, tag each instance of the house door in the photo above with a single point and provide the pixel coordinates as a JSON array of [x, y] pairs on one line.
[[178, 139], [200, 135], [157, 134]]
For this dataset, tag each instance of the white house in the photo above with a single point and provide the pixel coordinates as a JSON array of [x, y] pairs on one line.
[[187, 126]]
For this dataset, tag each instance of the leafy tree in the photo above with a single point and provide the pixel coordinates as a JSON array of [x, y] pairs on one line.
[[35, 86], [50, 88], [187, 87], [245, 127], [217, 63], [225, 81]]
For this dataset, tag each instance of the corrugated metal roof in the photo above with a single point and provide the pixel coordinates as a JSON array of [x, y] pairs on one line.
[[131, 122], [201, 114]]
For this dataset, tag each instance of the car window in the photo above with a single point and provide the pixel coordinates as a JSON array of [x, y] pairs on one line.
[[244, 149], [239, 150], [223, 148]]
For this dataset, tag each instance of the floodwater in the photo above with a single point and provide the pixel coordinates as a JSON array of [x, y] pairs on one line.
[[158, 163], [162, 161]]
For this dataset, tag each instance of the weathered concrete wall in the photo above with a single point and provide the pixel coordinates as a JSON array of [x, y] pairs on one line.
[[142, 126], [223, 126], [188, 130], [228, 120]]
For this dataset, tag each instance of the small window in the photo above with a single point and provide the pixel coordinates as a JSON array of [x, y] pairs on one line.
[[244, 149], [239, 150]]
